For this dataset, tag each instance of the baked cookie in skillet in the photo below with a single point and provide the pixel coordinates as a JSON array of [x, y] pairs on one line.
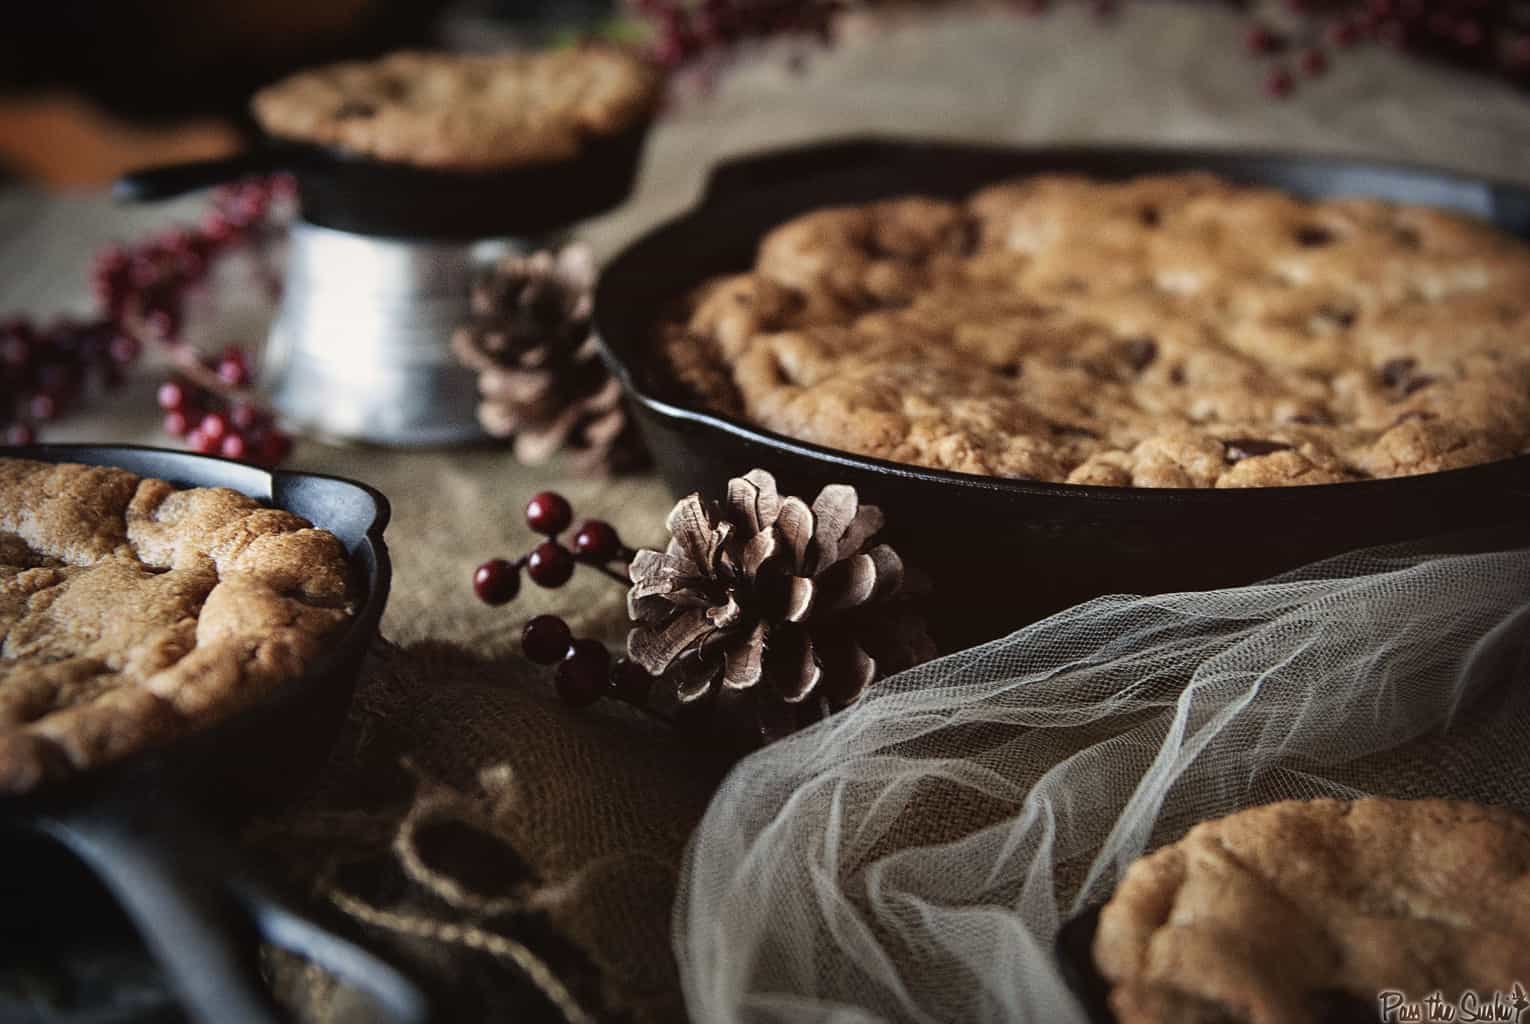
[[1167, 331], [464, 112], [132, 611]]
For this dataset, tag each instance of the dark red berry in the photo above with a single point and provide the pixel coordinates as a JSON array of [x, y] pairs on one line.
[[549, 514], [124, 349], [217, 228], [597, 541], [584, 674], [1314, 63], [145, 272], [200, 442], [164, 324], [171, 396], [234, 446], [16, 351], [18, 434], [244, 416], [42, 407], [550, 564], [630, 681], [1261, 40], [177, 424], [1279, 83], [496, 581], [214, 426], [234, 369], [111, 258], [668, 50], [546, 639]]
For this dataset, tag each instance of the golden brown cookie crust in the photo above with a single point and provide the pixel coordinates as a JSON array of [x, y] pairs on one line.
[[464, 112], [1170, 331], [131, 611], [1264, 915]]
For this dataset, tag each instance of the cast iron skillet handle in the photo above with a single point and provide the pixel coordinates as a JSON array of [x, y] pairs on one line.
[[1511, 209], [747, 173], [170, 180], [200, 910]]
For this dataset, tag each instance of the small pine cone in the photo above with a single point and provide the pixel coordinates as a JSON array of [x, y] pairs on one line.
[[540, 378], [775, 611]]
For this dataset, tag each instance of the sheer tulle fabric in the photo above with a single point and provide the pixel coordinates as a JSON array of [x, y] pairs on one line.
[[912, 858]]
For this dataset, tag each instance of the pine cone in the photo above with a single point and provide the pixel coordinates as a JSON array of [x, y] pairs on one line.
[[764, 603], [540, 377]]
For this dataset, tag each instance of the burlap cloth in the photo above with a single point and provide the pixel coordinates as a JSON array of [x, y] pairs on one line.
[[468, 818]]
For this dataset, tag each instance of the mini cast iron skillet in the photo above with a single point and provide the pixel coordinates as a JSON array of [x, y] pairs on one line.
[[1006, 552], [140, 823], [347, 192]]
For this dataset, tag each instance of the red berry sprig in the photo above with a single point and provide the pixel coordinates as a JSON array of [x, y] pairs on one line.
[[218, 421], [140, 292], [44, 372], [585, 670]]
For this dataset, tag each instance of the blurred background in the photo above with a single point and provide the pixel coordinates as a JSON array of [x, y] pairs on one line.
[[89, 88]]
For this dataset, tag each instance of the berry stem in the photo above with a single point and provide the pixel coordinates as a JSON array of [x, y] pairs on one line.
[[186, 360], [606, 570]]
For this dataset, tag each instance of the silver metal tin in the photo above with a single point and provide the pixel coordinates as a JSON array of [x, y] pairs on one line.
[[360, 349]]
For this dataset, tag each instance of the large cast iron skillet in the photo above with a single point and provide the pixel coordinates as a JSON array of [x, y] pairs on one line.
[[141, 823], [1006, 552], [347, 192]]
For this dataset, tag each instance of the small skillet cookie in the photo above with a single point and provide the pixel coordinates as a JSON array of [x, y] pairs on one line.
[[464, 112], [1281, 913], [131, 611]]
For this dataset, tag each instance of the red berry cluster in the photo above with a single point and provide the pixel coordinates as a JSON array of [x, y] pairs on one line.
[[45, 371], [585, 669], [145, 284], [140, 292], [1484, 35], [214, 423]]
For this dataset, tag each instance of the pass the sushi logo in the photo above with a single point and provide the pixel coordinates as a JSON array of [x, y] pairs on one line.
[[1467, 1008]]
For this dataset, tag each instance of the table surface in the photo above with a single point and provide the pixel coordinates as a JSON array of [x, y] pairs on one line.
[[1162, 74]]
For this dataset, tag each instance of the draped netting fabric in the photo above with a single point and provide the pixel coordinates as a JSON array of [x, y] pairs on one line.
[[912, 858]]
